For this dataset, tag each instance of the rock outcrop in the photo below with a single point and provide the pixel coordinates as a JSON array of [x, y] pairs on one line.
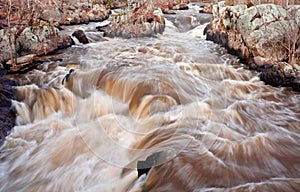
[[42, 40], [141, 19], [76, 13], [135, 23], [6, 37], [39, 40], [266, 36], [35, 30]]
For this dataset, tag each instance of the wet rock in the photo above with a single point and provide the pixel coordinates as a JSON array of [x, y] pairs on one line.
[[282, 74], [170, 12], [7, 113], [80, 35]]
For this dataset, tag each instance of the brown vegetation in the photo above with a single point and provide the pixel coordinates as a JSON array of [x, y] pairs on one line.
[[255, 2]]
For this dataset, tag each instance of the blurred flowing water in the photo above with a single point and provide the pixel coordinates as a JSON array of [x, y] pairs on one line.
[[216, 126]]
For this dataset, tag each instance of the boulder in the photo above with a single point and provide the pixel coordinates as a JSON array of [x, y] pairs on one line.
[[52, 15], [261, 36], [41, 40], [137, 22], [258, 31], [6, 45], [223, 30], [141, 19], [264, 29], [37, 40], [282, 74]]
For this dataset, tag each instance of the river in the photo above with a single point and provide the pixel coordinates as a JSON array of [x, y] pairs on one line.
[[88, 115]]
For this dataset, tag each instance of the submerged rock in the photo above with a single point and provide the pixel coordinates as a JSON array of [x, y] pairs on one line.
[[143, 167], [80, 35]]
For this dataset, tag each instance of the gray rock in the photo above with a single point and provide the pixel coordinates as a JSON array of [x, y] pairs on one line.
[[6, 45], [263, 29], [42, 40], [260, 36], [135, 24], [83, 13]]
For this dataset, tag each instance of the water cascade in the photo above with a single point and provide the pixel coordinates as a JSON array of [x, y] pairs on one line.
[[84, 122]]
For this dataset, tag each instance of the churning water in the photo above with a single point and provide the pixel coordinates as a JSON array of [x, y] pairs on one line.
[[215, 125]]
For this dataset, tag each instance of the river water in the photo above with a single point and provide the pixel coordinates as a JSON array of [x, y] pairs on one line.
[[214, 124]]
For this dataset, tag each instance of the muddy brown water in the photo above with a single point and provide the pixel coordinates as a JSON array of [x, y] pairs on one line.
[[215, 124]]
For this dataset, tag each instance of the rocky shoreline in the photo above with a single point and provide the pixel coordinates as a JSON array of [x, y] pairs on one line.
[[266, 37], [27, 33], [7, 113]]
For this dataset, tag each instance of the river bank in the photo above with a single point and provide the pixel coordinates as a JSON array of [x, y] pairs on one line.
[[243, 29], [37, 28], [28, 32], [266, 37]]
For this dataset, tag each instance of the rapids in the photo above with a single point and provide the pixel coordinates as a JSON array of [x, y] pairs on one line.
[[216, 125]]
